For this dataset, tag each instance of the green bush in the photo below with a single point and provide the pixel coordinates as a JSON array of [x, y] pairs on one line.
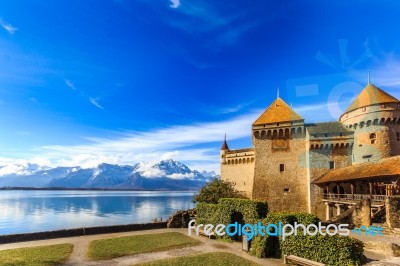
[[252, 211], [270, 246], [306, 218], [231, 210], [331, 250], [215, 190], [207, 213]]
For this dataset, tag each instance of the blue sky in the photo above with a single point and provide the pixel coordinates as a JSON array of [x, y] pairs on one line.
[[124, 81]]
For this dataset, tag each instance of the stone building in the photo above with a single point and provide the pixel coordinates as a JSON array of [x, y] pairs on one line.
[[298, 166]]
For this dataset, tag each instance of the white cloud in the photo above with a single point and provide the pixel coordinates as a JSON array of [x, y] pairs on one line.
[[147, 170], [95, 102], [181, 176], [387, 73], [70, 84], [174, 142], [174, 3], [8, 27]]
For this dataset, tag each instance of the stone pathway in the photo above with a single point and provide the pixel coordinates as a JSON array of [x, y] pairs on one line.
[[78, 256]]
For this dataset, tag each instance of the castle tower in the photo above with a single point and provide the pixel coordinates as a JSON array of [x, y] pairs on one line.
[[280, 175], [375, 118], [224, 150]]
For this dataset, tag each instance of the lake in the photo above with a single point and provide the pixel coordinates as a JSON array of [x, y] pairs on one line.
[[41, 210]]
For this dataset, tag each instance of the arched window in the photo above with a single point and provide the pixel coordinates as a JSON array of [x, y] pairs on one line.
[[364, 109]]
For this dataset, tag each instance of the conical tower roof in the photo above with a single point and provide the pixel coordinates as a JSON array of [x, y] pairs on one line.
[[371, 95], [278, 112], [225, 145]]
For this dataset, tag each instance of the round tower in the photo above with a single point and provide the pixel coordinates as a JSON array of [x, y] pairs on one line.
[[374, 116], [224, 150]]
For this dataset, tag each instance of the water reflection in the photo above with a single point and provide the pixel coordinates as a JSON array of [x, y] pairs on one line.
[[32, 211]]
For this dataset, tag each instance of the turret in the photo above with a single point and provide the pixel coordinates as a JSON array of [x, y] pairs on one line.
[[374, 117], [224, 150]]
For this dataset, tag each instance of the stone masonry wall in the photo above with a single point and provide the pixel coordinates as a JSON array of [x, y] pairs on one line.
[[283, 190], [242, 175], [393, 212], [319, 165]]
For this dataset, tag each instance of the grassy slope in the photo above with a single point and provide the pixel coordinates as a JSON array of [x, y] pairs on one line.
[[42, 255], [104, 249]]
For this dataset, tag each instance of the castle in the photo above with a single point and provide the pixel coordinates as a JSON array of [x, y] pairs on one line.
[[320, 168]]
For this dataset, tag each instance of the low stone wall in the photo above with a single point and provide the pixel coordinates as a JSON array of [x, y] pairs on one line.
[[181, 219], [393, 212], [356, 216], [389, 249], [79, 232]]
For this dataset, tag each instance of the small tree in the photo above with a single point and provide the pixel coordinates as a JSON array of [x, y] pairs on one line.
[[215, 190]]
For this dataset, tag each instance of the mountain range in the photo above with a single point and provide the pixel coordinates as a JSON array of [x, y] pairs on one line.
[[165, 175]]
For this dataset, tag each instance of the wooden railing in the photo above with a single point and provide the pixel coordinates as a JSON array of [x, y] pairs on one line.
[[353, 197]]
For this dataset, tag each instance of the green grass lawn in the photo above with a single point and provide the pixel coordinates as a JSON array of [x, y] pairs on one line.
[[42, 255], [213, 258], [105, 249]]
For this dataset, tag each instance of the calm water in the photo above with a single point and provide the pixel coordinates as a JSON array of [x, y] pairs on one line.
[[34, 211]]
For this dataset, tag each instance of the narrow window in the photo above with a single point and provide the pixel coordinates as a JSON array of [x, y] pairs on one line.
[[398, 136], [364, 108], [326, 135], [331, 165], [281, 167]]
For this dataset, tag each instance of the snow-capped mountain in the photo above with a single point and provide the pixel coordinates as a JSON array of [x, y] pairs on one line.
[[165, 175]]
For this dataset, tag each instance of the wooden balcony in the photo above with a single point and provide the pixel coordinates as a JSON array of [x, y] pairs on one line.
[[376, 200]]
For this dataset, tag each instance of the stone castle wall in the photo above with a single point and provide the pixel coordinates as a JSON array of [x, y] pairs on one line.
[[318, 165], [287, 189], [376, 132], [239, 169]]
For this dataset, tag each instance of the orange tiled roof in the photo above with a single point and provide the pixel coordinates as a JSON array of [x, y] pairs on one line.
[[277, 112], [386, 167], [371, 95]]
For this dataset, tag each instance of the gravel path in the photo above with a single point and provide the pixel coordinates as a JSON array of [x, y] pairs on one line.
[[78, 256]]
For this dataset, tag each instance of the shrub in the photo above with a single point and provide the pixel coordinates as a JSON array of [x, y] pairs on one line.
[[215, 190], [252, 211], [231, 210], [207, 213], [270, 246], [331, 250]]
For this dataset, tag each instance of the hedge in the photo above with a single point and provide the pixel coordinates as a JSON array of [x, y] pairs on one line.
[[224, 212], [270, 246], [331, 250], [207, 213], [252, 211]]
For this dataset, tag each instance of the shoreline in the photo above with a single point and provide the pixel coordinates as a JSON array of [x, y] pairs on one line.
[[22, 237], [91, 189]]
